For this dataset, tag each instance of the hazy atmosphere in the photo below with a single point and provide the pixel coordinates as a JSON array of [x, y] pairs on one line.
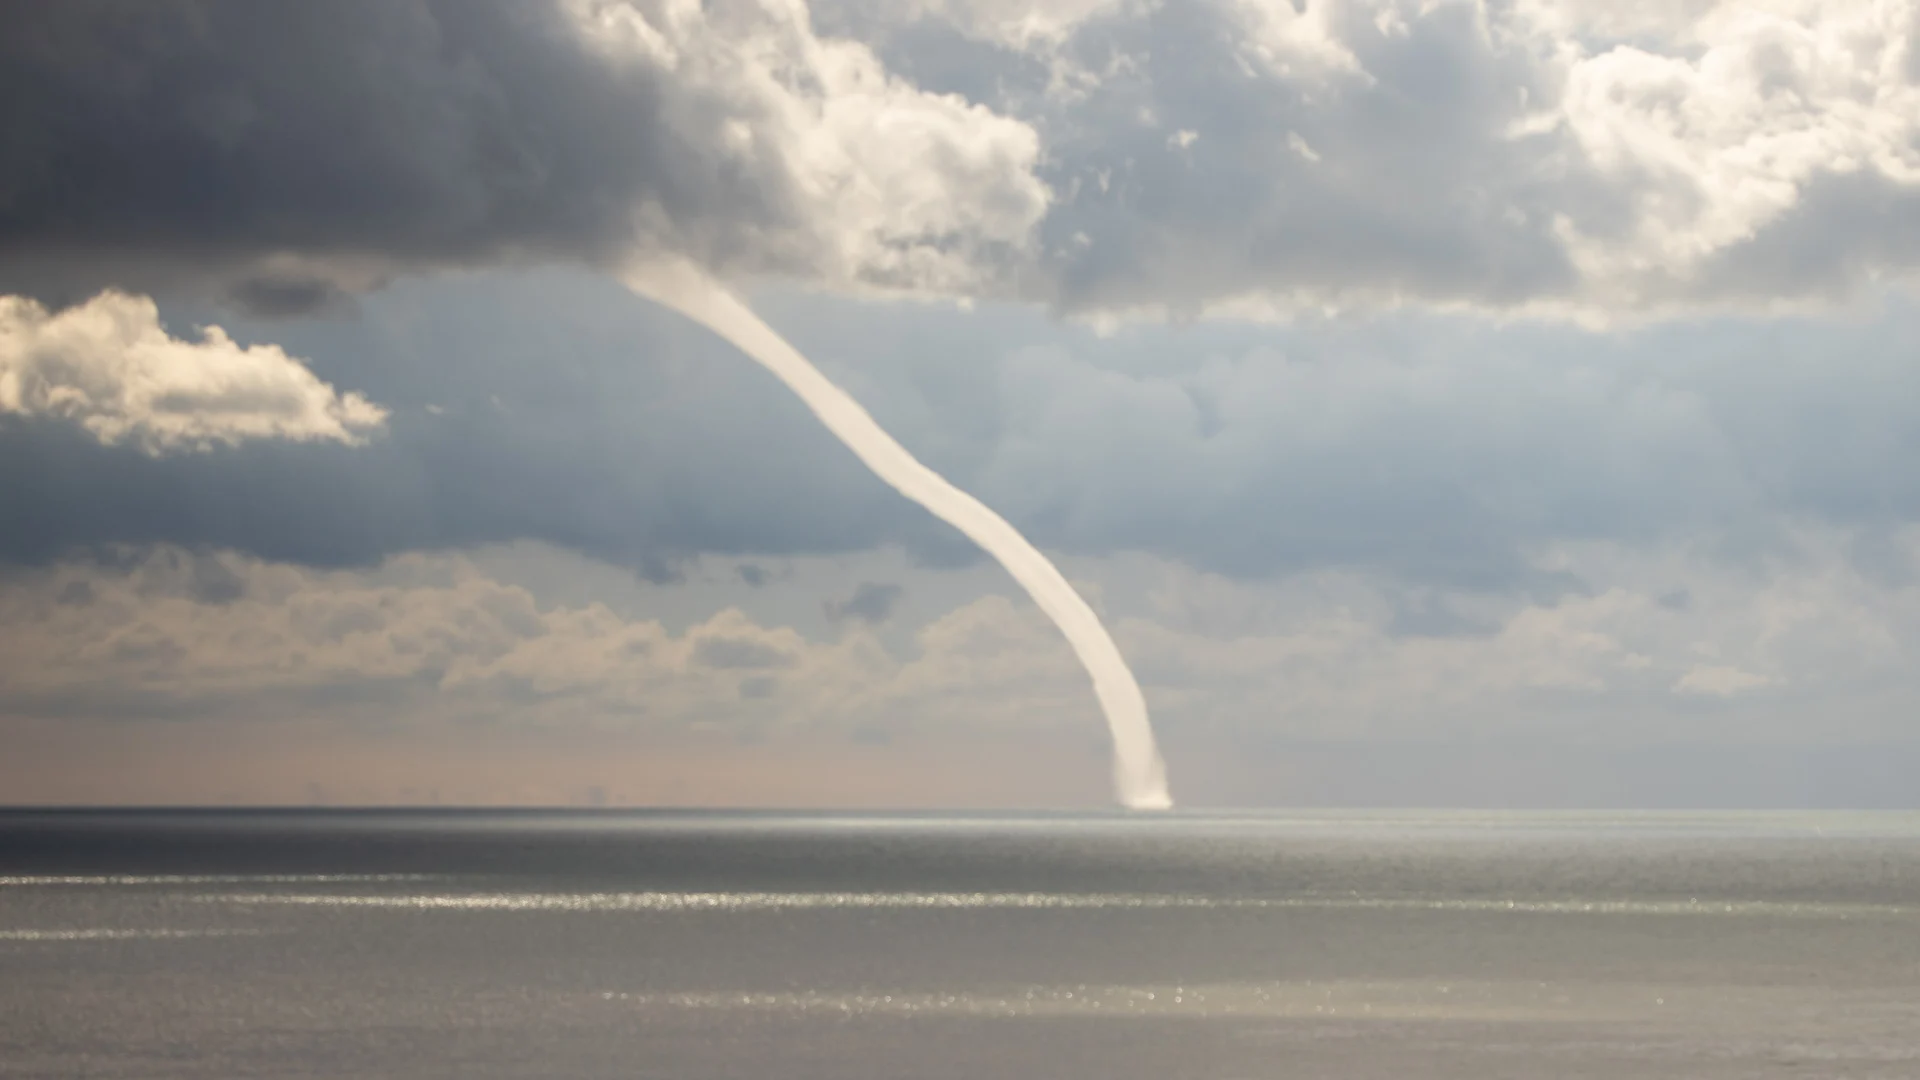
[[1442, 403]]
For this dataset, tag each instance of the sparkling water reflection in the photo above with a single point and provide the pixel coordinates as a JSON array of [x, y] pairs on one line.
[[1392, 945]]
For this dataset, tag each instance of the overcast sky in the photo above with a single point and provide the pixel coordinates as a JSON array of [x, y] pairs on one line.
[[1497, 403]]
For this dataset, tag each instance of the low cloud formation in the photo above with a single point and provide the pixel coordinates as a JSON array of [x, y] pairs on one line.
[[1802, 649], [167, 633], [109, 366]]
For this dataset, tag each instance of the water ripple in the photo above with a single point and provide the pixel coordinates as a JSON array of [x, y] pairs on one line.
[[670, 901]]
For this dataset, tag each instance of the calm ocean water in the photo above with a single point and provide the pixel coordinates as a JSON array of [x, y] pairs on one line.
[[484, 944]]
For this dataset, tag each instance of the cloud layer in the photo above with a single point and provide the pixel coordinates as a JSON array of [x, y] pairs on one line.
[[1667, 648], [1558, 157], [110, 367], [1550, 157], [1439, 451]]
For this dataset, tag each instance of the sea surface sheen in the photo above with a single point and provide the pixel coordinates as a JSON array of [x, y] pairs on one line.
[[671, 944]]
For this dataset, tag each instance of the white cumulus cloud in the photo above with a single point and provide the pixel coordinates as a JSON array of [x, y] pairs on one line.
[[1724, 129], [887, 185], [110, 366]]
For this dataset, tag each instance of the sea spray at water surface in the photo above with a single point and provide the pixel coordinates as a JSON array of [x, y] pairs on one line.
[[1139, 775]]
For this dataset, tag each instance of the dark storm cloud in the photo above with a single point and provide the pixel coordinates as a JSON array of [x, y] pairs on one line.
[[358, 137]]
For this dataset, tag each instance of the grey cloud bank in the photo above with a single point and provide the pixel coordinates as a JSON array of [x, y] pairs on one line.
[[1436, 451]]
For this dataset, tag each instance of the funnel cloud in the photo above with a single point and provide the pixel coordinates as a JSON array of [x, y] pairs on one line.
[[1139, 775]]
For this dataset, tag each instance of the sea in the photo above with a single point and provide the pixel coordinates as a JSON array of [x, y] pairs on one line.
[[384, 943]]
